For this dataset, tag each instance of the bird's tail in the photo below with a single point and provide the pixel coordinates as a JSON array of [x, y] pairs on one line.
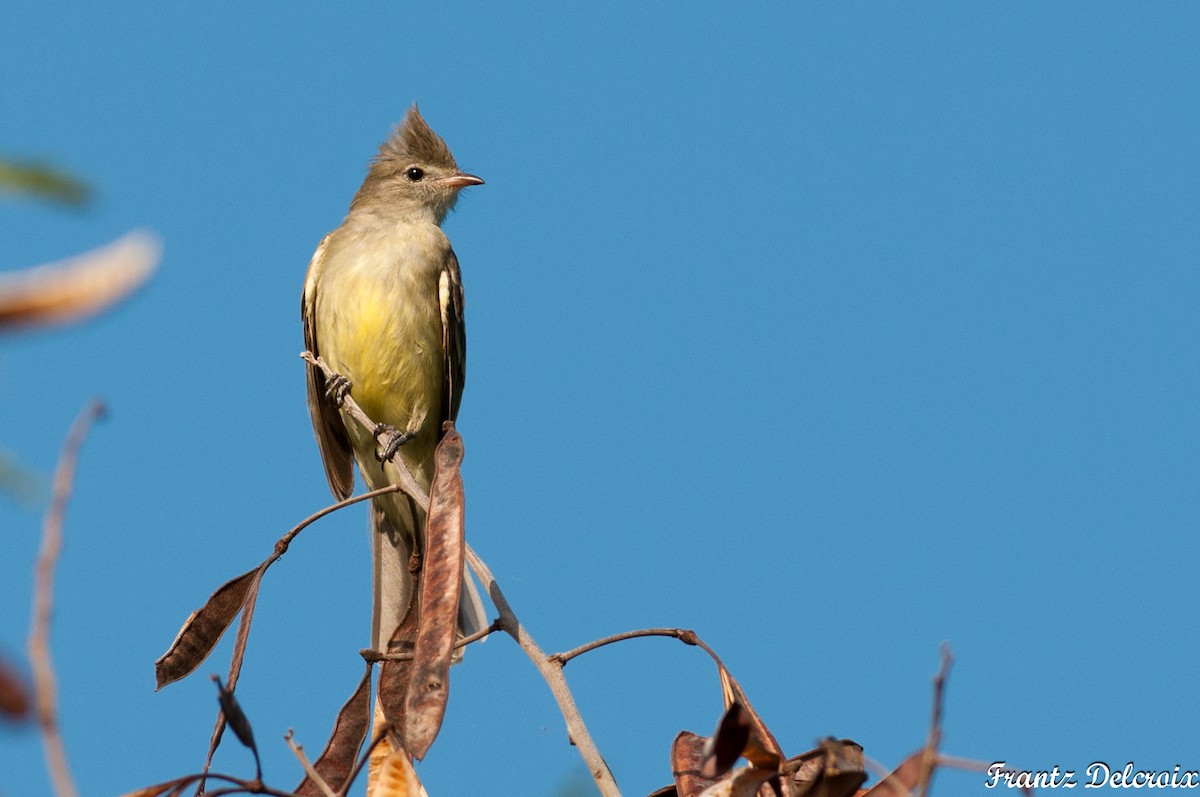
[[392, 538]]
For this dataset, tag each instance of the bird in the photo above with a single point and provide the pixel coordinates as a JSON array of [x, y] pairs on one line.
[[383, 307]]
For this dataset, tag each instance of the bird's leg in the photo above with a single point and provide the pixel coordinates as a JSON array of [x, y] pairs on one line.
[[396, 438], [337, 389]]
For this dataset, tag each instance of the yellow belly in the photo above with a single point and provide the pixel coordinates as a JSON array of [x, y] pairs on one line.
[[379, 325]]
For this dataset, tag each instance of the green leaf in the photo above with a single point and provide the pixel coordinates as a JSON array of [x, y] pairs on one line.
[[43, 181]]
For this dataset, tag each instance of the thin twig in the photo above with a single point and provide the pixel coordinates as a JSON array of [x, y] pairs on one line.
[[309, 770], [238, 786], [552, 672], [43, 605], [350, 410], [246, 787], [930, 759], [685, 635], [956, 762], [282, 545], [885, 775], [372, 656]]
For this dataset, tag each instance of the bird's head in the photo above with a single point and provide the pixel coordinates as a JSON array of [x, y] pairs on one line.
[[414, 172]]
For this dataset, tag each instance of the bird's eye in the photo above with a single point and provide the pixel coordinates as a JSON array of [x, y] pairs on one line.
[[414, 173]]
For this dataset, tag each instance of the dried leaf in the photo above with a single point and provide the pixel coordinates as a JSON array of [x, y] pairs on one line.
[[235, 663], [687, 757], [243, 632], [761, 748], [835, 769], [728, 742], [201, 632], [234, 716], [743, 782], [394, 676], [14, 694], [76, 288], [441, 584], [396, 778], [337, 760], [902, 781]]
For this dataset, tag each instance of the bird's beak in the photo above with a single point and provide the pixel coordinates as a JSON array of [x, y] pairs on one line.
[[461, 180]]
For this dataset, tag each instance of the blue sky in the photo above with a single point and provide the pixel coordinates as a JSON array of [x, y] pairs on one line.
[[831, 331]]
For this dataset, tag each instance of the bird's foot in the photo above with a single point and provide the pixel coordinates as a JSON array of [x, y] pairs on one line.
[[396, 438], [337, 389]]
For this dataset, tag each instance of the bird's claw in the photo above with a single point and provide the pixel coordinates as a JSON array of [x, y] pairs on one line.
[[396, 439], [337, 389]]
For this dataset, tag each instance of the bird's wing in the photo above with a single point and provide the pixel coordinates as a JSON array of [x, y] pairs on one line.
[[332, 437], [454, 336], [471, 614]]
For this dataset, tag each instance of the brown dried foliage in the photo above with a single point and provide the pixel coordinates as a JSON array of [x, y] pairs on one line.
[[414, 678], [441, 584]]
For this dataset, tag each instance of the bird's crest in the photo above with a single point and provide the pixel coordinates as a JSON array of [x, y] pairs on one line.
[[414, 141]]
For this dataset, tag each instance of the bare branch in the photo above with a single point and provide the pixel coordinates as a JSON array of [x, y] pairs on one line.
[[887, 778], [395, 468], [956, 762], [684, 635], [372, 656], [286, 540], [552, 672], [43, 606], [929, 760], [311, 772]]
